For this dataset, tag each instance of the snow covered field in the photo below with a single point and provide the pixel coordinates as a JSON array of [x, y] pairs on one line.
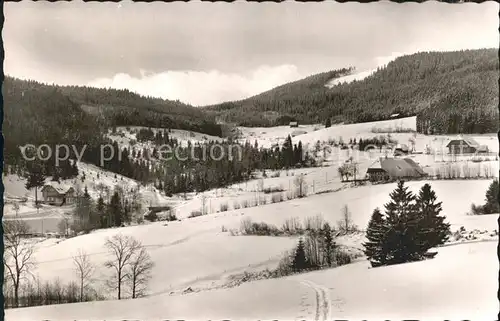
[[203, 253], [458, 284], [125, 136], [195, 252]]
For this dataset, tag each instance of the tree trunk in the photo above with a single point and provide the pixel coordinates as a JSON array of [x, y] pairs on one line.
[[133, 287], [16, 294], [119, 286], [81, 290]]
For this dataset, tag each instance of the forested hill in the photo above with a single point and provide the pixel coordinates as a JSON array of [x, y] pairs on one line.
[[450, 92], [37, 114]]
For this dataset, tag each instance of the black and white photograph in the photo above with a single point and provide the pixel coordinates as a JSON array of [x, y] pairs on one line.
[[250, 161]]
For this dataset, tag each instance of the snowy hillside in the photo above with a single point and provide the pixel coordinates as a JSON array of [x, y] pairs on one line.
[[127, 136], [204, 253], [429, 290]]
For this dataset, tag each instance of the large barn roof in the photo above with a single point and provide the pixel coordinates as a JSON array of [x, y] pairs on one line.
[[397, 167], [468, 141], [60, 188]]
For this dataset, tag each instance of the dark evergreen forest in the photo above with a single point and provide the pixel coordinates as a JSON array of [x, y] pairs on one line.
[[450, 92]]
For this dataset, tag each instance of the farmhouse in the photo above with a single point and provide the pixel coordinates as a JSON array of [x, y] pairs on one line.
[[55, 193], [401, 149], [294, 124], [386, 169], [465, 146]]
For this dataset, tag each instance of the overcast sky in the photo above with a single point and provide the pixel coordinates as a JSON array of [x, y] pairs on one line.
[[204, 53]]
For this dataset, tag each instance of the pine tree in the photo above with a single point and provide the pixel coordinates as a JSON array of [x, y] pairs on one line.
[[299, 261], [400, 216], [327, 244], [375, 248], [115, 209], [74, 169], [35, 178], [433, 231], [86, 193], [55, 176], [492, 201], [100, 209]]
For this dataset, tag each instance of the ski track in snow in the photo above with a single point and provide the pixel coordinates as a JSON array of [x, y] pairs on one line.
[[323, 305]]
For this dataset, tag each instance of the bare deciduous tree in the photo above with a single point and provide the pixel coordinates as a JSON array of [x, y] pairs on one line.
[[345, 224], [63, 226], [203, 200], [301, 185], [122, 249], [260, 185], [84, 270], [16, 208], [139, 272], [18, 253]]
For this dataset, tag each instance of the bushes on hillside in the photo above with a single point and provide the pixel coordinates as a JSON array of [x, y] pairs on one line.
[[151, 216], [247, 227], [316, 250], [36, 293], [290, 227], [409, 227], [195, 214], [375, 142]]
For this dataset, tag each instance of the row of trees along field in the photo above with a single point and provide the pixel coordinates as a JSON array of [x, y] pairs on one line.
[[129, 265], [450, 92]]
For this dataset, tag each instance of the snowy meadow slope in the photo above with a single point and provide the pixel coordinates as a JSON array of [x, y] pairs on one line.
[[428, 290], [201, 253]]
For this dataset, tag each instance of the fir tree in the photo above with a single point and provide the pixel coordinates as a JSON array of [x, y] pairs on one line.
[[74, 169], [100, 209], [375, 248], [55, 176], [492, 201], [433, 231], [35, 178], [115, 209], [327, 244], [402, 221], [86, 193], [299, 261]]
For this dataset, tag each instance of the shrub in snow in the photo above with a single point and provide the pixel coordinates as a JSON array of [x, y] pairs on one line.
[[247, 227], [292, 226], [277, 174], [277, 197], [269, 190], [169, 217], [253, 202], [195, 214], [262, 200], [342, 258], [224, 207]]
